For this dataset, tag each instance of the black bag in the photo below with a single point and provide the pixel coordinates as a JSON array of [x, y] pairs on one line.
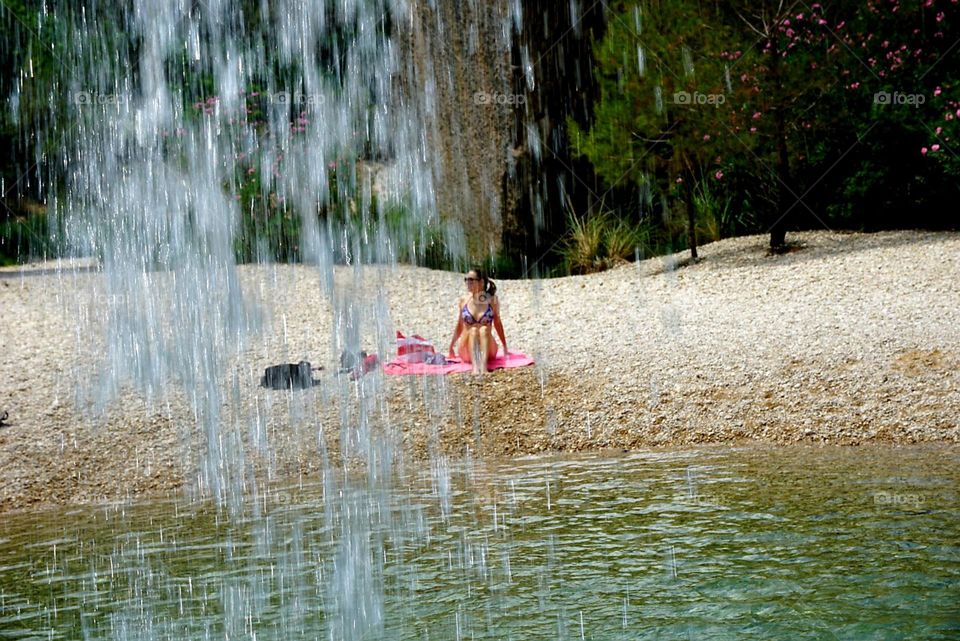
[[288, 376]]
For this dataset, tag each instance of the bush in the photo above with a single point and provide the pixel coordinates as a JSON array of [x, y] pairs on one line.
[[25, 236], [599, 241]]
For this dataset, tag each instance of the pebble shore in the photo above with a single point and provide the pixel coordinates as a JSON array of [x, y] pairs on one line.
[[847, 339]]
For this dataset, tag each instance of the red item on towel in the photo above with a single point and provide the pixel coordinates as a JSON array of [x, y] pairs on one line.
[[369, 363], [411, 344]]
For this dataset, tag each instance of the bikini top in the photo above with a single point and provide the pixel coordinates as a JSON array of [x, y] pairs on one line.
[[485, 319]]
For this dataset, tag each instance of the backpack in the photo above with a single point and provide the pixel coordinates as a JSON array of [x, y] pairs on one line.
[[288, 376]]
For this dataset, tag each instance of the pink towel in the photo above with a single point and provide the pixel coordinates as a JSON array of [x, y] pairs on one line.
[[399, 368]]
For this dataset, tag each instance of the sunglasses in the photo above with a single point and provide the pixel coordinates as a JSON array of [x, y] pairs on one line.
[[470, 280]]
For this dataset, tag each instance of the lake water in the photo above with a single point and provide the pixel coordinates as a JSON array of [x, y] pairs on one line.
[[747, 543]]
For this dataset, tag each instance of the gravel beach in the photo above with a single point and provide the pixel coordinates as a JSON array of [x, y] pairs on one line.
[[850, 338]]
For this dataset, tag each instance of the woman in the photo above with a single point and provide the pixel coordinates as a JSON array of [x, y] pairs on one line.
[[478, 312]]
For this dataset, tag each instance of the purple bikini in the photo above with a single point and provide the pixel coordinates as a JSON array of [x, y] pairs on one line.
[[485, 319]]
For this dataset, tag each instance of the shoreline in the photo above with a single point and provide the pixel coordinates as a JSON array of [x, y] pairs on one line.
[[849, 340]]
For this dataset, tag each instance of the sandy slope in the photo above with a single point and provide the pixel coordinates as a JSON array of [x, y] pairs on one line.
[[851, 338]]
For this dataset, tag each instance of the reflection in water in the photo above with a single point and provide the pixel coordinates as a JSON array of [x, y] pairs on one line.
[[720, 544]]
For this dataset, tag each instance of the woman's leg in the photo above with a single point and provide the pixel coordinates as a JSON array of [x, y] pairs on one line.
[[467, 346], [488, 347], [492, 347], [477, 352]]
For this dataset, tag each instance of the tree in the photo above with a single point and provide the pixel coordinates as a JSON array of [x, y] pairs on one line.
[[788, 77], [663, 97]]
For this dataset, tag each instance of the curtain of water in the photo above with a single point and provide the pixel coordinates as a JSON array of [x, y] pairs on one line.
[[187, 121]]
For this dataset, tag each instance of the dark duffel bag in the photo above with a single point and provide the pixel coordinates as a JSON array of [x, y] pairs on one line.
[[288, 376]]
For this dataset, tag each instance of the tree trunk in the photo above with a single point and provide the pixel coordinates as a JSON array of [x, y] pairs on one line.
[[691, 213], [778, 230]]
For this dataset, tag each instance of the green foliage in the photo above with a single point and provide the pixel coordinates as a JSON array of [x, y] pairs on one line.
[[582, 250], [715, 216], [664, 103], [25, 236], [600, 240], [780, 114]]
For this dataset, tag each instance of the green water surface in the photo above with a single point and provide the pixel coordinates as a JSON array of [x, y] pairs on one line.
[[752, 543]]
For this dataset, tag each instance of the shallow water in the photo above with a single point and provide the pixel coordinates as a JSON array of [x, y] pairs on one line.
[[791, 543]]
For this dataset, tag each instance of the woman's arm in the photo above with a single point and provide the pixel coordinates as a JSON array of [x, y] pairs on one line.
[[456, 332], [495, 304]]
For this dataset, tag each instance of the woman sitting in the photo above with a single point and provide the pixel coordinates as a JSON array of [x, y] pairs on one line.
[[478, 311]]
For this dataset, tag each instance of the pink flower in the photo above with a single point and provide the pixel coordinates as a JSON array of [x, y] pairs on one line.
[[756, 115], [251, 171], [706, 137], [940, 17], [799, 16], [923, 151], [939, 129], [936, 92], [718, 175], [786, 22], [934, 147], [753, 130]]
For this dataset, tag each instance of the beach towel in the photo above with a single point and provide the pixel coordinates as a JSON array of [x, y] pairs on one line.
[[398, 367]]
